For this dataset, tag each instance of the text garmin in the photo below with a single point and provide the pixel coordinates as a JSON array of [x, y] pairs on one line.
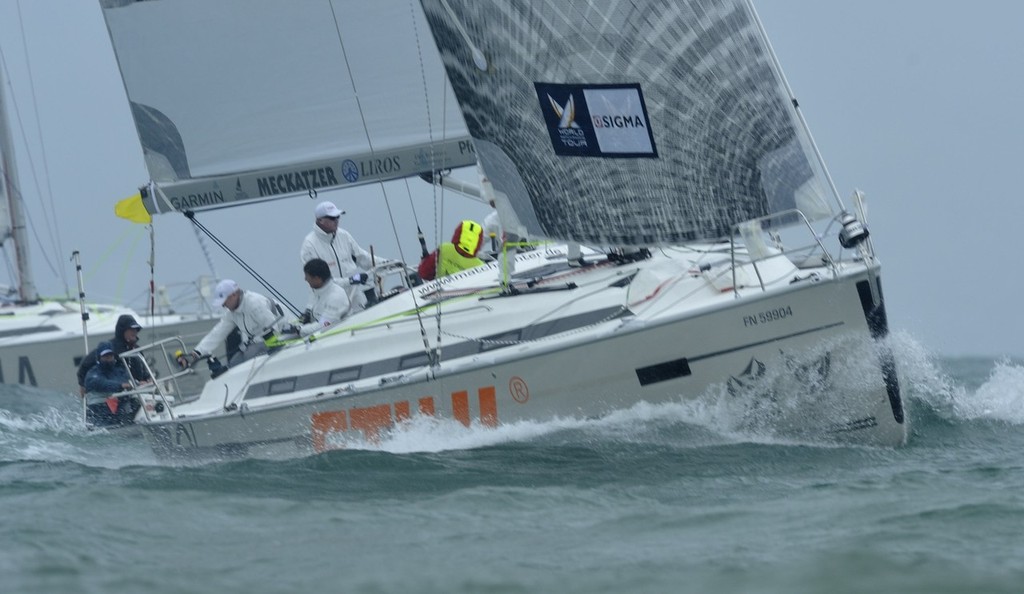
[[190, 201]]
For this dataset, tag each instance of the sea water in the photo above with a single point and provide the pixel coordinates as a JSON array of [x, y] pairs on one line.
[[658, 498]]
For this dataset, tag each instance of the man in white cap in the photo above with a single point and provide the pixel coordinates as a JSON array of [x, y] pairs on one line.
[[256, 317], [347, 261]]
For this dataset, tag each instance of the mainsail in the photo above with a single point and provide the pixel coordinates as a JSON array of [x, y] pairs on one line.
[[628, 123], [237, 104]]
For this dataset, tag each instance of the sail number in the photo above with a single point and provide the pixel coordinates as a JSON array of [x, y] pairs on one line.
[[768, 316]]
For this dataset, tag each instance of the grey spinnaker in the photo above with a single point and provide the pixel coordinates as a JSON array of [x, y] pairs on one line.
[[570, 91]]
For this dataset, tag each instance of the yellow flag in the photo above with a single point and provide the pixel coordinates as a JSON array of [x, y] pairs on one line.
[[131, 208]]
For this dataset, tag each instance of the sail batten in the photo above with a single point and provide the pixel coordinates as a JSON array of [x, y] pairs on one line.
[[648, 122], [233, 104]]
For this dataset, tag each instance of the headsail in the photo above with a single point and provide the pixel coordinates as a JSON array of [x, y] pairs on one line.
[[234, 103], [628, 123]]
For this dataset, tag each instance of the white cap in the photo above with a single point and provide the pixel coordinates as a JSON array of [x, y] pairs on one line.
[[224, 289], [327, 209]]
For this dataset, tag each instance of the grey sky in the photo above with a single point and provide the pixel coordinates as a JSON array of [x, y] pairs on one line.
[[915, 102]]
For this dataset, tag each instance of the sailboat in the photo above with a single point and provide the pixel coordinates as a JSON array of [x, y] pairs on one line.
[[686, 243], [43, 340]]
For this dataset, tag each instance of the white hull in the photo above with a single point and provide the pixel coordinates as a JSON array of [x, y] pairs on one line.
[[41, 345], [658, 330]]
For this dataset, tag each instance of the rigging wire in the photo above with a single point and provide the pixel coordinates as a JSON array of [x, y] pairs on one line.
[[795, 105], [438, 204], [11, 273], [55, 270], [191, 216], [49, 210], [369, 141]]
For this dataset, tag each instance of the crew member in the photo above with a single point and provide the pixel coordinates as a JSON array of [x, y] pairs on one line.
[[347, 261], [103, 407], [456, 255], [126, 338], [328, 305], [256, 317]]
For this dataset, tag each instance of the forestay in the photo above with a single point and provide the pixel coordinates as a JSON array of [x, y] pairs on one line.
[[235, 104], [628, 123]]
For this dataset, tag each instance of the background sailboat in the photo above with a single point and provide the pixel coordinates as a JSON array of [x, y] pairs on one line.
[[42, 339]]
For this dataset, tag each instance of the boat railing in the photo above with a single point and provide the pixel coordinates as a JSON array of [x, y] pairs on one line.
[[159, 359], [752, 232], [387, 280]]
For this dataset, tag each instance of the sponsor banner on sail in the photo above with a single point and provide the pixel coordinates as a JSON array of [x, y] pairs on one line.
[[597, 120], [222, 191], [218, 113]]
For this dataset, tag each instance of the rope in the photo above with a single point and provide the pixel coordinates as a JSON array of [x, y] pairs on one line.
[[262, 281]]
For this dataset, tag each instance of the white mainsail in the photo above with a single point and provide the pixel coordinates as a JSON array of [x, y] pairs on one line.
[[234, 104], [628, 123]]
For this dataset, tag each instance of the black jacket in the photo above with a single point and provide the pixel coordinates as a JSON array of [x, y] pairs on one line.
[[120, 346]]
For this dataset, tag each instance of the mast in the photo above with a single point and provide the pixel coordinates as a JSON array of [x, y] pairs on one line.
[[15, 202]]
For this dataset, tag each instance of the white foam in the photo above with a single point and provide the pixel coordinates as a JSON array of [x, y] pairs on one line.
[[1001, 397]]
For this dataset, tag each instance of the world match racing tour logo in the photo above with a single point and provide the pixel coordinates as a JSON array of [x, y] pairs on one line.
[[608, 121]]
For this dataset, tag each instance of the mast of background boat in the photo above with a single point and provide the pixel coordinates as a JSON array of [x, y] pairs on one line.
[[26, 284], [81, 300]]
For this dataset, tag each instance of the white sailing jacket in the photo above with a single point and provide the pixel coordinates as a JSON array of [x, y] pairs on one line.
[[343, 256], [255, 316], [329, 306]]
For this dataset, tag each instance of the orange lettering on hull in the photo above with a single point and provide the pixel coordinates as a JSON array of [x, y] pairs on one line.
[[460, 407], [373, 419], [324, 423], [401, 411], [488, 406]]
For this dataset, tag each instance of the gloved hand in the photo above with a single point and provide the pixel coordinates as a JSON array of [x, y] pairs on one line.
[[359, 278], [186, 361], [289, 329], [216, 367], [307, 317]]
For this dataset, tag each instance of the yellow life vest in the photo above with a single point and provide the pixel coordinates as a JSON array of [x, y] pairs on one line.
[[451, 261]]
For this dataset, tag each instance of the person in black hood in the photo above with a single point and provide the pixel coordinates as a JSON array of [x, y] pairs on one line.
[[126, 338]]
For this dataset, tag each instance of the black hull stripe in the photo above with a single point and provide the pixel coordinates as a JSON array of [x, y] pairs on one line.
[[768, 341], [676, 368]]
